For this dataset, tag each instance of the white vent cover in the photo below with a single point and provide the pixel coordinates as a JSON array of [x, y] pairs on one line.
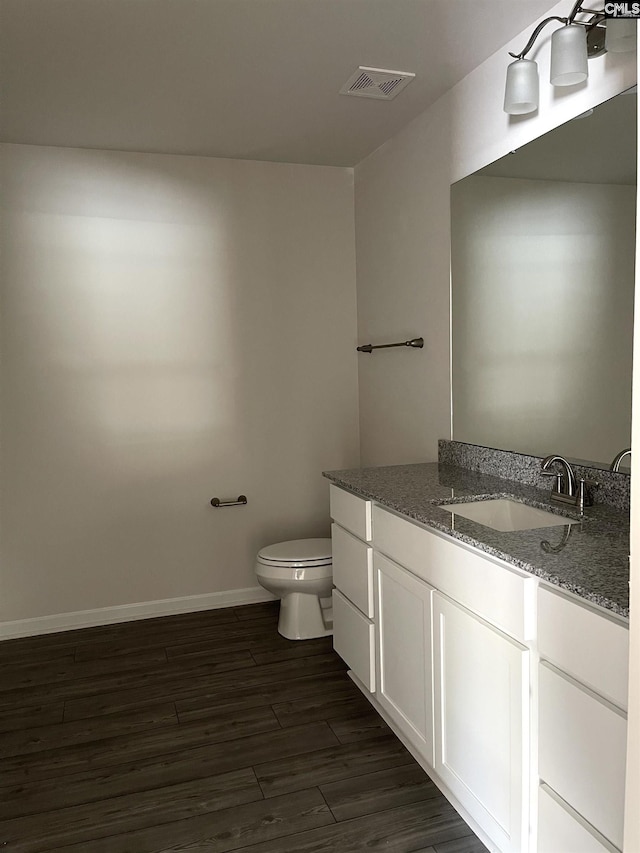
[[376, 83]]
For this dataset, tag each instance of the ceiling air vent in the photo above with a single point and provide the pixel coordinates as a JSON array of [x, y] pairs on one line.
[[376, 83]]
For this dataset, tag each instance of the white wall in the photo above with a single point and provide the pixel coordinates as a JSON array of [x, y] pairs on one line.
[[542, 315], [173, 328], [403, 239]]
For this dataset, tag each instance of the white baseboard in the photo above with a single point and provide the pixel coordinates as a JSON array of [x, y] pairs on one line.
[[130, 612]]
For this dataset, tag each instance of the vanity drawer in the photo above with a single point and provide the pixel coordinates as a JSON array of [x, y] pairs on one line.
[[587, 644], [353, 569], [351, 512], [559, 828], [353, 639], [494, 590], [582, 751]]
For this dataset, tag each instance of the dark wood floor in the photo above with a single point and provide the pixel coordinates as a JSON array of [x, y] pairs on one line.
[[204, 732]]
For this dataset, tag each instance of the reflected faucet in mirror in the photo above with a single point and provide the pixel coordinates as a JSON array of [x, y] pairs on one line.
[[615, 465], [548, 548]]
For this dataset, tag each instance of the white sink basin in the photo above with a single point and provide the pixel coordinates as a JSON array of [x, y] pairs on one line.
[[504, 514]]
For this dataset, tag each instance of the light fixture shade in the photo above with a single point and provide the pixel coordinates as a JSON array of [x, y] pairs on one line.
[[521, 90], [569, 56], [621, 35]]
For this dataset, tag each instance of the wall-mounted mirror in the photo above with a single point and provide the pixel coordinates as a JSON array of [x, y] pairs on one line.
[[542, 262]]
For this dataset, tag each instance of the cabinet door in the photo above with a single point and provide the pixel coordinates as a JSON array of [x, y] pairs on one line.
[[403, 641], [481, 715]]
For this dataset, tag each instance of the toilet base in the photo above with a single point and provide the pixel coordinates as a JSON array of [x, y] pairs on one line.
[[303, 616]]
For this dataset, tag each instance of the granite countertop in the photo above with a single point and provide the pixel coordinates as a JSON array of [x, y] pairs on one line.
[[590, 558]]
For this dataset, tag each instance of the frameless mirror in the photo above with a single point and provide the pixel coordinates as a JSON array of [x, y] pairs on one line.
[[542, 263]]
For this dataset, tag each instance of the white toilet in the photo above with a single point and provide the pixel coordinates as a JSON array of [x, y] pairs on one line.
[[300, 573]]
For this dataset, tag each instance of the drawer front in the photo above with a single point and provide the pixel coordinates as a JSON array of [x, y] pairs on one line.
[[353, 639], [353, 569], [561, 829], [500, 594], [588, 645], [351, 512], [582, 751]]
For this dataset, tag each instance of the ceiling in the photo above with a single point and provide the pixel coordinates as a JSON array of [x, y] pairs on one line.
[[249, 79]]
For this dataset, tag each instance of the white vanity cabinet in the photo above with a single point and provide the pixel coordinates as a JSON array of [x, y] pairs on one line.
[[353, 629], [582, 723], [510, 693]]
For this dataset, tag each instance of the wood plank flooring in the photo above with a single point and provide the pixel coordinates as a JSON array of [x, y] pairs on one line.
[[203, 732]]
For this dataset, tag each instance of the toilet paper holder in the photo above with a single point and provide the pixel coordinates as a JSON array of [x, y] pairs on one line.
[[216, 502]]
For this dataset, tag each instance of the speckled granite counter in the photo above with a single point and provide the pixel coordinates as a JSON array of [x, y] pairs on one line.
[[590, 558]]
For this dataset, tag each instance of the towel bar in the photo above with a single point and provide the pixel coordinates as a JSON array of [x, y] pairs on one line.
[[416, 343]]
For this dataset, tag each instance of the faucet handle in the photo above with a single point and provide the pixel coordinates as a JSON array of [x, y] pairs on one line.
[[557, 475], [583, 498], [594, 484]]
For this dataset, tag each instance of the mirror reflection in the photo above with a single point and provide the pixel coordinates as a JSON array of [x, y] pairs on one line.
[[543, 254]]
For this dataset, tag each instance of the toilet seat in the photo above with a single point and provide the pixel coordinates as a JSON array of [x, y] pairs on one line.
[[298, 553], [298, 564]]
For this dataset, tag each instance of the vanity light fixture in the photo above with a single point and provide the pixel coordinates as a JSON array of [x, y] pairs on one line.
[[571, 46]]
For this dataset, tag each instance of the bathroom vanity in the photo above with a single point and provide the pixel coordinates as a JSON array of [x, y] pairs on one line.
[[499, 658]]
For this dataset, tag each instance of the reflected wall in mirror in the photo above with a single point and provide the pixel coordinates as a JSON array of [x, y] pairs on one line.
[[542, 263]]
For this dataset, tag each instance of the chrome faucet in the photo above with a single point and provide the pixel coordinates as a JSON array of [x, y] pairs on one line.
[[567, 489], [615, 465], [565, 480]]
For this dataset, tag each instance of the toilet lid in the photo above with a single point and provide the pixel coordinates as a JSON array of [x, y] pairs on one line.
[[298, 551]]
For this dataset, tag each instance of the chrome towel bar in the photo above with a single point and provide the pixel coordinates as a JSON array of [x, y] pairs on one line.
[[416, 343], [242, 499]]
